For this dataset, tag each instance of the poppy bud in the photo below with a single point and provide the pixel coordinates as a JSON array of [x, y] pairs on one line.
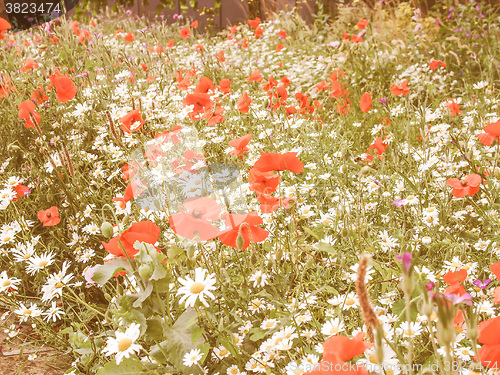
[[279, 254], [145, 271], [343, 169], [472, 333], [190, 252], [107, 229], [365, 170], [107, 296], [126, 220], [427, 309], [445, 334], [253, 258], [240, 241], [13, 147], [408, 284]]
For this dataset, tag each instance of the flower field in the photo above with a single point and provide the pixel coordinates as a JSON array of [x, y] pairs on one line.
[[276, 198]]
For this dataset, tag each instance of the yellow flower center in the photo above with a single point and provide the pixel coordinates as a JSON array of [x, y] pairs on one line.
[[373, 359], [6, 283], [7, 239], [409, 332], [27, 312], [59, 285], [223, 352], [27, 256], [429, 219], [124, 344], [350, 301], [334, 330], [197, 288], [42, 263]]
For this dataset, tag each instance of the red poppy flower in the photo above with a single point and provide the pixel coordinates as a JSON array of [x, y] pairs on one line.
[[495, 268], [366, 102], [240, 145], [25, 109], [258, 32], [435, 64], [185, 33], [254, 76], [193, 222], [38, 95], [400, 90], [220, 56], [321, 86], [244, 225], [455, 279], [142, 231], [489, 354], [345, 36], [279, 47], [171, 43], [204, 85], [131, 118], [282, 34], [491, 132], [224, 86], [378, 146], [279, 162], [338, 349], [356, 38], [129, 170], [244, 103], [132, 190], [454, 108], [4, 26], [49, 217], [5, 86], [469, 186], [21, 191], [270, 204], [129, 37], [194, 24], [29, 64], [254, 23], [362, 23], [263, 182], [216, 117], [200, 101], [65, 88]]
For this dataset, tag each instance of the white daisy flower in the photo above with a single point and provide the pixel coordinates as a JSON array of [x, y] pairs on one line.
[[123, 345], [192, 357], [200, 287]]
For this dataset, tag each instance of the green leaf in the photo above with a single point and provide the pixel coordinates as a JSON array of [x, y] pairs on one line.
[[155, 329], [142, 296], [128, 366], [159, 272], [179, 342], [108, 269], [197, 333], [322, 246], [257, 335], [312, 233], [230, 347]]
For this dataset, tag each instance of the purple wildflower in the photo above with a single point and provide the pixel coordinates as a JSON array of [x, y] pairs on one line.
[[405, 258], [482, 284]]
